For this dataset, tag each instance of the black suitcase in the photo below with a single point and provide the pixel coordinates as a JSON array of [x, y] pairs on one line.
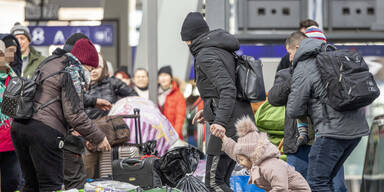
[[137, 172]]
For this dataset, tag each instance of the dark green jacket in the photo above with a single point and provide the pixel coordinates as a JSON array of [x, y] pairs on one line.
[[35, 58]]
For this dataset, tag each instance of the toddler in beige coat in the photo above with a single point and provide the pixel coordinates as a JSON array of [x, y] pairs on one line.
[[254, 152]]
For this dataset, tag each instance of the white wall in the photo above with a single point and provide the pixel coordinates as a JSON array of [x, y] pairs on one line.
[[11, 11], [171, 50]]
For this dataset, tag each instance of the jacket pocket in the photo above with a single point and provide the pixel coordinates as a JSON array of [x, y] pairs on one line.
[[209, 111]]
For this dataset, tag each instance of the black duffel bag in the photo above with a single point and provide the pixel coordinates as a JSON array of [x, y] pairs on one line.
[[137, 172]]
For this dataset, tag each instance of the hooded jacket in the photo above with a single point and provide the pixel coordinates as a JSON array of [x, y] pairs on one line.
[[307, 93], [215, 79], [174, 109], [17, 64], [35, 58], [110, 89], [268, 171], [68, 112]]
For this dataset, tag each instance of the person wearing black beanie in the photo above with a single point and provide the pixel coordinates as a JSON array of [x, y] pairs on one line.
[[68, 46], [170, 100], [166, 69], [215, 73], [194, 25]]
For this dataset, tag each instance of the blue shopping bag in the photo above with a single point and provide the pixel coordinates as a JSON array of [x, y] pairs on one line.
[[240, 184]]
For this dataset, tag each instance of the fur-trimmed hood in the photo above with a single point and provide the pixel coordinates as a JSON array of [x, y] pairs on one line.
[[252, 143]]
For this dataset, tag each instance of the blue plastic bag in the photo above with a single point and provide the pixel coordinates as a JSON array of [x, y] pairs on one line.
[[240, 184]]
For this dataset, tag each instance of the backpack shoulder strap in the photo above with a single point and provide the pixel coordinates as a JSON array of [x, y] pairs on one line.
[[48, 103]]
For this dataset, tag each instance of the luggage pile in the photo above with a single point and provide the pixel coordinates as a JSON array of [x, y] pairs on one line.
[[136, 166], [153, 124]]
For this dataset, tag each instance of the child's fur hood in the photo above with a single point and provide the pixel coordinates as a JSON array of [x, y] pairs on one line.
[[254, 144]]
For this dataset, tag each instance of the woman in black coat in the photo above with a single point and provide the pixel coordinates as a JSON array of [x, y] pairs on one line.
[[105, 87]]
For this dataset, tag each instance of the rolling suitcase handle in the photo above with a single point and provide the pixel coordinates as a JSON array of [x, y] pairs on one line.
[[136, 117], [138, 127], [139, 140]]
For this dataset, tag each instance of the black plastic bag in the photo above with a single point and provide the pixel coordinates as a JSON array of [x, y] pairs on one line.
[[191, 183], [177, 163]]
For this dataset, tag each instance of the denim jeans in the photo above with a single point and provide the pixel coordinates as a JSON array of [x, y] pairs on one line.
[[326, 158], [299, 160]]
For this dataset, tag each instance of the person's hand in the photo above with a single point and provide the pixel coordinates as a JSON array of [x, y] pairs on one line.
[[198, 118], [103, 104], [90, 146], [75, 133], [104, 145], [217, 130]]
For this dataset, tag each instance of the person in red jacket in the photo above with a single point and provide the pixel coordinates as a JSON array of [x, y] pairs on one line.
[[171, 100]]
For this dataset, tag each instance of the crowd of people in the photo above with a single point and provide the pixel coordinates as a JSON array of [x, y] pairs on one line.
[[75, 88], [46, 152]]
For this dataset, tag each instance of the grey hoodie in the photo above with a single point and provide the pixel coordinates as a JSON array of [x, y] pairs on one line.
[[307, 91]]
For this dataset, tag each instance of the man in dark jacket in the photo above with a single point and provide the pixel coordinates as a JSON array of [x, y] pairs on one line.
[[297, 156], [285, 62], [337, 133], [215, 76]]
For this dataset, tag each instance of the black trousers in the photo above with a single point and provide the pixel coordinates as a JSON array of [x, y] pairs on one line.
[[218, 172], [11, 176], [38, 148], [74, 171]]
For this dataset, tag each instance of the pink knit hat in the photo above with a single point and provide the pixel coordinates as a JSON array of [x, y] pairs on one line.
[[86, 53], [253, 144]]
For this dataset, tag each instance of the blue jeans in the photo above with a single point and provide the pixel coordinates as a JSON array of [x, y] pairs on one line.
[[326, 157], [299, 160]]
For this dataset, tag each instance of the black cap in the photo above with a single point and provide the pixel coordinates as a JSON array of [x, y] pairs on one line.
[[68, 46], [9, 41], [166, 69], [194, 25]]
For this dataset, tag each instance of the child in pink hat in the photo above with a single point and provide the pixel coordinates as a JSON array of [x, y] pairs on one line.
[[261, 158]]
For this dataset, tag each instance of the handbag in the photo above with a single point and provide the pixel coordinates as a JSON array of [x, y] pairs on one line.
[[249, 79]]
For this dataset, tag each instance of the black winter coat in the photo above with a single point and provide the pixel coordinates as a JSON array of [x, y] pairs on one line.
[[284, 63], [109, 89], [215, 79], [278, 96]]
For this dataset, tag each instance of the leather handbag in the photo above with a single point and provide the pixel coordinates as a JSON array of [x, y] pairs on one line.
[[249, 79]]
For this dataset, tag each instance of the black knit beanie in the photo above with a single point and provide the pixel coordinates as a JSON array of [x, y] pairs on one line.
[[194, 25], [68, 46], [166, 69], [9, 41]]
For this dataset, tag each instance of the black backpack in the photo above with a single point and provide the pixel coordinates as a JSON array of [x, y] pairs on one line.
[[18, 97], [347, 79], [249, 79]]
